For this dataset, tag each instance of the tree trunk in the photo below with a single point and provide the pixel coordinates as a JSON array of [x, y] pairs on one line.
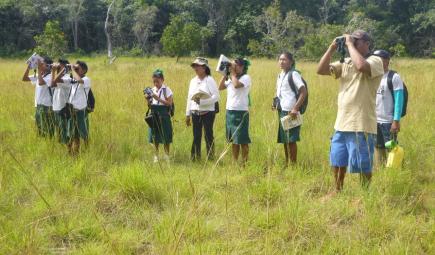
[[76, 34], [106, 31]]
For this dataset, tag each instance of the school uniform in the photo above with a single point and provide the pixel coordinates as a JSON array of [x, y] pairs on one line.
[[162, 131], [237, 111], [203, 114], [43, 104], [78, 124], [61, 112], [287, 99]]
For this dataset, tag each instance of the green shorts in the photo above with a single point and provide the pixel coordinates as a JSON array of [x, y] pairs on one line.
[[163, 132], [44, 121], [61, 125], [78, 125], [237, 127], [289, 136]]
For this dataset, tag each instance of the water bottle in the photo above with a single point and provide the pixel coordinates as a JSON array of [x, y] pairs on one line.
[[396, 154]]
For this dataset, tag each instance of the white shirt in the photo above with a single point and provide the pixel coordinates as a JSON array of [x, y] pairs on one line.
[[61, 92], [384, 99], [207, 85], [42, 92], [238, 99], [161, 93], [284, 92], [78, 98]]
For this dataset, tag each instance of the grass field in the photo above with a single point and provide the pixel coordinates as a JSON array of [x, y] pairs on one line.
[[113, 200]]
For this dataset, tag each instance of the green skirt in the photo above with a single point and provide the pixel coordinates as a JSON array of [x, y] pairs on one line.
[[163, 132], [237, 127], [78, 125], [289, 136], [44, 121], [61, 127]]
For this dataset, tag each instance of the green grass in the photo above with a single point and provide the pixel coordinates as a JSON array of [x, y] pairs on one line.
[[113, 200]]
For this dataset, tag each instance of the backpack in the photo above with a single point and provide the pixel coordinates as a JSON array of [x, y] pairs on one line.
[[405, 91], [90, 101], [171, 107], [292, 84]]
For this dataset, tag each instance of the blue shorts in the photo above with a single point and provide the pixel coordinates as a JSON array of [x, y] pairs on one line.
[[384, 135], [353, 150]]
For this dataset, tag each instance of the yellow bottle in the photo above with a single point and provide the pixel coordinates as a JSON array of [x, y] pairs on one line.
[[395, 157]]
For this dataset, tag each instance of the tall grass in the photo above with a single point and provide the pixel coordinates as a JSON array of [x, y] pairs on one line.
[[112, 199]]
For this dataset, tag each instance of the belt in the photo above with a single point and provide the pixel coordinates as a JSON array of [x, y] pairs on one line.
[[199, 113]]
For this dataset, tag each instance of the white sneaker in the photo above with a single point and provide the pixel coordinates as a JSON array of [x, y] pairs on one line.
[[156, 159], [166, 157]]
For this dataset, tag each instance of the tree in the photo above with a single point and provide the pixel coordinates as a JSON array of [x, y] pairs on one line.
[[75, 10], [145, 19], [317, 42], [52, 41], [181, 37], [279, 33], [106, 31]]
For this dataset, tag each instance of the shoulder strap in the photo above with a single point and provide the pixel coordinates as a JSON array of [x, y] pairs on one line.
[[164, 92], [49, 88], [86, 95], [291, 82], [390, 76]]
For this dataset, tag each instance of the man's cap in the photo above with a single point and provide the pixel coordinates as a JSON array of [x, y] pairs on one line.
[[361, 35], [382, 53], [200, 61]]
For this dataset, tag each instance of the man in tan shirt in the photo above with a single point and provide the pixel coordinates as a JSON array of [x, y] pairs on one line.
[[355, 127]]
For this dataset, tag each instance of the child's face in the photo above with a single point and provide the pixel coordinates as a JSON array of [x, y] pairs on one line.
[[80, 71], [157, 82]]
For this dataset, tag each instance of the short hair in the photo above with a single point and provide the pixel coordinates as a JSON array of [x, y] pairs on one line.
[[47, 60], [63, 61], [83, 65]]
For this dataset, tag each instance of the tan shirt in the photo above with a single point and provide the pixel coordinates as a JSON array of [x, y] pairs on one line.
[[357, 95]]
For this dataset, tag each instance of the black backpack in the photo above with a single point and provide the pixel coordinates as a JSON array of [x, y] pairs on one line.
[[91, 101], [405, 91], [172, 107], [295, 90]]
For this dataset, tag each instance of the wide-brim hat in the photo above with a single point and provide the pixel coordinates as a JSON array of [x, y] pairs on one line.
[[200, 61]]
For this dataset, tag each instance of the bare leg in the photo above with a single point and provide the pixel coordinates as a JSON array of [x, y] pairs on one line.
[[245, 153], [365, 179], [75, 147], [339, 174], [293, 152], [167, 149], [236, 151], [287, 154], [380, 157]]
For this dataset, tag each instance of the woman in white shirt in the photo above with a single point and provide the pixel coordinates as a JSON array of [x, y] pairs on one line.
[[289, 103], [201, 108], [238, 84], [160, 103]]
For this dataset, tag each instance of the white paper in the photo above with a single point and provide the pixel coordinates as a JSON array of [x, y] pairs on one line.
[[289, 123], [222, 58], [33, 61], [201, 94]]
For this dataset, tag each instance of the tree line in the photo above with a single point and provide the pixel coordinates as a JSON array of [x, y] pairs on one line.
[[210, 27]]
